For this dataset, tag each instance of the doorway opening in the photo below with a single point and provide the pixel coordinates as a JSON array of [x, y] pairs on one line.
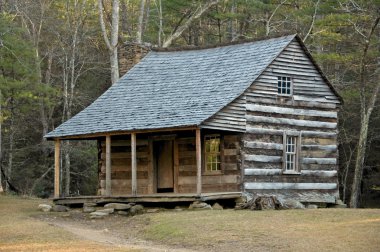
[[164, 165]]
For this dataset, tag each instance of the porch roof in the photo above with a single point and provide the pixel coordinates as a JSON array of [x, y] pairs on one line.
[[175, 89]]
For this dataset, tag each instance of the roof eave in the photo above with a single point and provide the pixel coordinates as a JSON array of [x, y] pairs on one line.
[[93, 136]]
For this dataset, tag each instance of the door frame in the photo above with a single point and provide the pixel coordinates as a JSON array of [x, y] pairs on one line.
[[154, 169]]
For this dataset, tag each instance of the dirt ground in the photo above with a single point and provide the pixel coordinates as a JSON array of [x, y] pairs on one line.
[[24, 228]]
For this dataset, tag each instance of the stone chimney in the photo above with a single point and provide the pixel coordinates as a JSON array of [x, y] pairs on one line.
[[130, 53]]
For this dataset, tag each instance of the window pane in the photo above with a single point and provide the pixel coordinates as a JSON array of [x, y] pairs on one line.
[[208, 166], [207, 146]]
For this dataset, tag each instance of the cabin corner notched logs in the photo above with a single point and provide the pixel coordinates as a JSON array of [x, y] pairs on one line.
[[311, 113]]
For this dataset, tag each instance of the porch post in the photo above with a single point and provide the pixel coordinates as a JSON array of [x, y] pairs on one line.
[[108, 166], [57, 164], [199, 160], [134, 164]]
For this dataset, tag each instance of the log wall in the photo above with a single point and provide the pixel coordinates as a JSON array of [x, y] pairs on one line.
[[121, 167], [227, 181], [310, 113]]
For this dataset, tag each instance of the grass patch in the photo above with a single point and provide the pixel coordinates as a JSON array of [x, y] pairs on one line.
[[20, 232], [227, 230], [291, 230]]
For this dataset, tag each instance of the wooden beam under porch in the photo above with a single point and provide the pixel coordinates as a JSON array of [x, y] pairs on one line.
[[148, 198]]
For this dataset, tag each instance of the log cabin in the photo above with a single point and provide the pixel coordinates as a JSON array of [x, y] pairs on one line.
[[250, 118]]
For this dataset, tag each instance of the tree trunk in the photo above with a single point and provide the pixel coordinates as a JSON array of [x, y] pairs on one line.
[[160, 28], [146, 17], [231, 23], [362, 144], [359, 164], [366, 111], [124, 18], [141, 22], [114, 35], [1, 142], [114, 65], [11, 146]]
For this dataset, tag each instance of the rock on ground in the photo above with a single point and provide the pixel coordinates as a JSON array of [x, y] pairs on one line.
[[89, 209], [153, 210], [106, 210], [118, 206], [121, 212], [136, 209], [45, 207], [98, 215], [311, 206], [261, 203], [267, 202], [197, 205], [59, 208], [291, 204], [216, 206]]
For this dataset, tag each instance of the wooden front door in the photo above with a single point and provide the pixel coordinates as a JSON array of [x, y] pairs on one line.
[[163, 151]]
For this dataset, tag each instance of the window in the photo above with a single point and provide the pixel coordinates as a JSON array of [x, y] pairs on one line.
[[291, 153], [284, 85], [291, 142], [212, 153]]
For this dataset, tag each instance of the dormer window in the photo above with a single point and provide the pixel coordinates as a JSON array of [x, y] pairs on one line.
[[284, 85]]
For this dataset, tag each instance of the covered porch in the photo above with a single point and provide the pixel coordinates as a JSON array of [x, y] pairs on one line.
[[168, 165]]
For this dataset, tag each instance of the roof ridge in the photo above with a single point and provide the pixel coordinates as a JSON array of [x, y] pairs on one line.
[[237, 42]]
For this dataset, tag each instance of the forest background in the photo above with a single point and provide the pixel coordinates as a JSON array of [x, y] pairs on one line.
[[57, 56]]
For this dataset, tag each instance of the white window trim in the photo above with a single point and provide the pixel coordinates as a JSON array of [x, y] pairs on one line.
[[291, 85], [297, 168]]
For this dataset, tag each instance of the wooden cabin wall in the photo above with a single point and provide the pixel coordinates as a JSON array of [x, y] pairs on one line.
[[121, 167], [228, 181], [231, 118], [186, 168], [311, 111]]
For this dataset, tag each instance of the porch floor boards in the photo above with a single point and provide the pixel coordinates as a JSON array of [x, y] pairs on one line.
[[147, 198]]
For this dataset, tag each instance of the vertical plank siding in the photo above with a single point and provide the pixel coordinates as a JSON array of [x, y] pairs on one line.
[[311, 113]]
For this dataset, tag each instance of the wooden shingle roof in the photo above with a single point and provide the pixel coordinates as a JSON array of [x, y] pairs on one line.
[[175, 89]]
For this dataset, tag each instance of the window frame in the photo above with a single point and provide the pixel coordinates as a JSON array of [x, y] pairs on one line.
[[296, 136], [288, 79], [205, 155]]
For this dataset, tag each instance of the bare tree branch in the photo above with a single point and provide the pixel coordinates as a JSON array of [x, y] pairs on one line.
[[197, 14], [312, 21]]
